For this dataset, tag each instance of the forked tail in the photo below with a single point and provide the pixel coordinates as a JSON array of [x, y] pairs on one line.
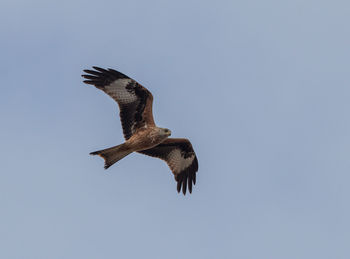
[[113, 154]]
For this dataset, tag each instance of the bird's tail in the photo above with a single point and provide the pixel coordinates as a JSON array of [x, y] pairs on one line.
[[113, 154]]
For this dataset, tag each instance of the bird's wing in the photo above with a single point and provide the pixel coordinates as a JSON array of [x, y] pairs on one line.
[[134, 100], [180, 157]]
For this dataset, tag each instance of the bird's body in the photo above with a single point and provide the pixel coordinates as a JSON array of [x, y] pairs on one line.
[[140, 132], [147, 137]]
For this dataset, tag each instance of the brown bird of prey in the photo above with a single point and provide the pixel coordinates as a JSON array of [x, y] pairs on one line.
[[140, 132]]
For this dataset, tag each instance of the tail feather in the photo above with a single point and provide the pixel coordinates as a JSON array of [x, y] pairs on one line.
[[113, 154]]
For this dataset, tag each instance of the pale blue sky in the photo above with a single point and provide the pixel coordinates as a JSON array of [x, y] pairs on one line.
[[261, 88]]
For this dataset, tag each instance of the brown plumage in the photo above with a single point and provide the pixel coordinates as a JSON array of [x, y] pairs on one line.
[[140, 132]]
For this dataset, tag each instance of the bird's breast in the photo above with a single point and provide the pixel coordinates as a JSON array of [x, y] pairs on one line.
[[145, 139]]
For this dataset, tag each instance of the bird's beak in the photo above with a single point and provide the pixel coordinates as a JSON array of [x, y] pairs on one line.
[[169, 133]]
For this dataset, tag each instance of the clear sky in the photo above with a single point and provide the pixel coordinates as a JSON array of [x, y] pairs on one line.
[[261, 88]]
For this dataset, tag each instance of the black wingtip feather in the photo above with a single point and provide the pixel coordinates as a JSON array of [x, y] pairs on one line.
[[100, 69], [190, 183], [92, 72], [178, 186], [89, 82], [89, 77], [184, 185]]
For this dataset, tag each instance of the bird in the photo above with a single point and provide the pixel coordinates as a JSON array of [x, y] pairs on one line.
[[141, 133]]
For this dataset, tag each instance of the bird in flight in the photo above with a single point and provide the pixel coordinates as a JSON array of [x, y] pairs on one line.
[[140, 132]]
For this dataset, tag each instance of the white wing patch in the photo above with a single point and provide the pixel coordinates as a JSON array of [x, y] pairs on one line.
[[117, 90], [177, 162]]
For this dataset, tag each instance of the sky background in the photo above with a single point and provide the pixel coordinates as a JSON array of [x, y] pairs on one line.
[[261, 88]]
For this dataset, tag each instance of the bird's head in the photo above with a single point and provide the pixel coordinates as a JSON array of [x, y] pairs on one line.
[[166, 132]]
